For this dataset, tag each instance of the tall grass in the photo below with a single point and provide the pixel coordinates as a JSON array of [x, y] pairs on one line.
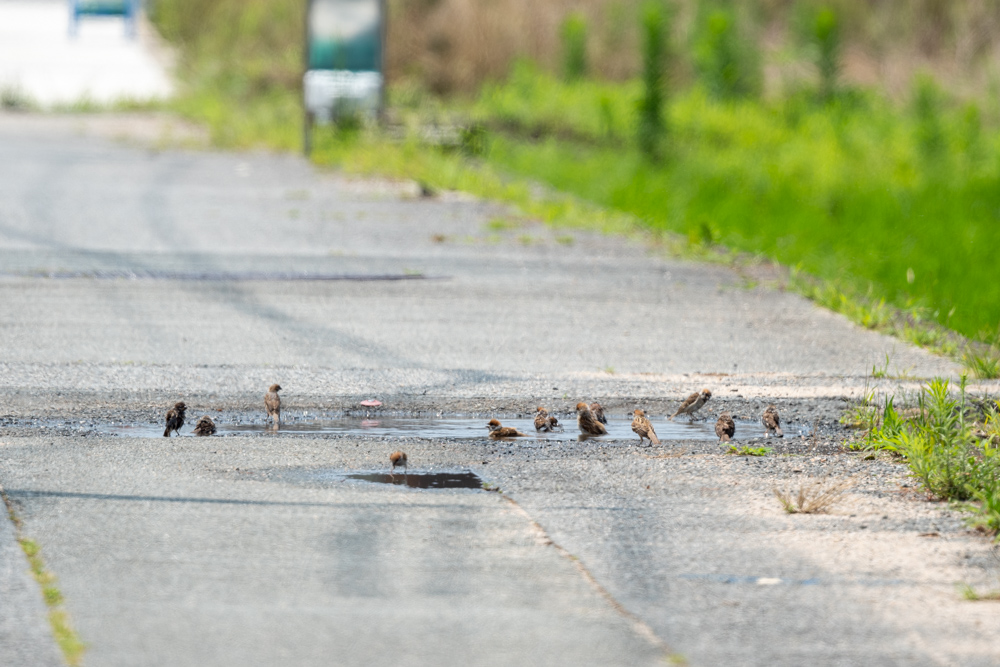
[[900, 204], [652, 128], [574, 44], [827, 39]]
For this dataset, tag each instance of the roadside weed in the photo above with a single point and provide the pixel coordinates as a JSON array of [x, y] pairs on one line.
[[969, 593], [746, 450], [813, 497], [984, 365], [862, 413], [951, 445], [985, 515], [881, 371]]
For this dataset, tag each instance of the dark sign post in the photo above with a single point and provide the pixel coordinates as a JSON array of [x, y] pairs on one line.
[[345, 40]]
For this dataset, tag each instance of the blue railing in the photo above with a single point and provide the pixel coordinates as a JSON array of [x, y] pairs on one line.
[[127, 9]]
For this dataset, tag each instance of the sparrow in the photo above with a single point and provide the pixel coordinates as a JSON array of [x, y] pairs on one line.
[[205, 426], [397, 459], [725, 428], [175, 419], [498, 431], [588, 422], [692, 404], [272, 403], [644, 428], [772, 422], [598, 412], [543, 422]]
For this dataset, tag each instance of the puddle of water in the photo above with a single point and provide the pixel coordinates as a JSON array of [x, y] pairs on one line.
[[423, 480], [456, 427]]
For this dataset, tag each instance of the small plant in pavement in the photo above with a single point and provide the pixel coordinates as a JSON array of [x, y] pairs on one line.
[[746, 450], [970, 593], [813, 498]]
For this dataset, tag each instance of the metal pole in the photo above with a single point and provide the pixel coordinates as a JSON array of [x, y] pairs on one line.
[[384, 19], [306, 116]]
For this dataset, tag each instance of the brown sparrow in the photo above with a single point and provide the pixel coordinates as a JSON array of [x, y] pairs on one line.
[[644, 428], [598, 412], [692, 404], [725, 428], [499, 431], [205, 426], [588, 422], [772, 422], [543, 422], [397, 459], [175, 418], [273, 403]]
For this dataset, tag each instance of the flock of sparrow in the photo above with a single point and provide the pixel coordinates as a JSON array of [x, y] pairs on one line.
[[590, 419], [205, 425]]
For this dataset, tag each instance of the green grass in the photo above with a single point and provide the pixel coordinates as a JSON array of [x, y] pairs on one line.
[[951, 445], [66, 637], [971, 594], [746, 450], [846, 192]]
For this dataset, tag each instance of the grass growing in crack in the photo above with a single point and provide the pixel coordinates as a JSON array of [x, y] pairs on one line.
[[879, 372], [969, 593], [746, 450], [813, 498], [66, 637]]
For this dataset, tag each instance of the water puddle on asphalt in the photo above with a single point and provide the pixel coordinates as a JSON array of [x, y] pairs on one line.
[[412, 479], [423, 480], [423, 427]]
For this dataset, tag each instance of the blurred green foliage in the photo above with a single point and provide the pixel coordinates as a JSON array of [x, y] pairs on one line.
[[652, 128], [241, 67], [574, 44], [727, 59], [826, 31], [901, 204]]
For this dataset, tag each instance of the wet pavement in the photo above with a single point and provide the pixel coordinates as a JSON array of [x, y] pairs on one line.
[[431, 428], [246, 550]]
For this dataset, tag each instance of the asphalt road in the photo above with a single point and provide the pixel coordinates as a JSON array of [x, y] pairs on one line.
[[132, 277]]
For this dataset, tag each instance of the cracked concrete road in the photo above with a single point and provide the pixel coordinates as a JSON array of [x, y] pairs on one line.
[[133, 276]]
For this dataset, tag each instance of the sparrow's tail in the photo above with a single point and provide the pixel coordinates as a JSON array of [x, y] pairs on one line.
[[652, 438], [166, 432], [777, 432]]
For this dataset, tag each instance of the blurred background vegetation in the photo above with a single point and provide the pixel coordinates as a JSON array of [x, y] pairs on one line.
[[853, 141]]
